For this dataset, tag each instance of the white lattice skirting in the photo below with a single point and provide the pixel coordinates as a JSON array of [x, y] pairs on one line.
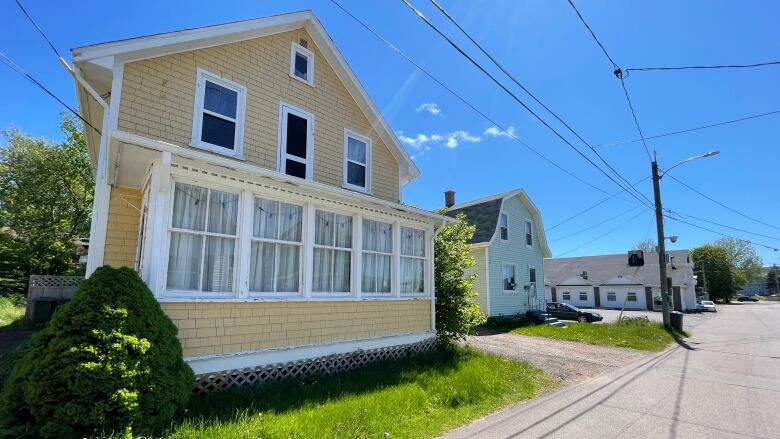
[[327, 365]]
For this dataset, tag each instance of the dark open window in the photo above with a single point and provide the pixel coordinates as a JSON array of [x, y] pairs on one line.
[[295, 150]]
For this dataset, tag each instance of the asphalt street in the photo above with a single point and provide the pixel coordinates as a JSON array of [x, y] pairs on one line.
[[722, 382]]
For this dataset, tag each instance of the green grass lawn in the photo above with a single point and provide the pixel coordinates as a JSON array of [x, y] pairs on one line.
[[420, 397], [11, 310], [644, 336]]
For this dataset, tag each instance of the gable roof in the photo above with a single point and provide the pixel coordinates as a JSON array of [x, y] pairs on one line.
[[96, 62], [614, 270], [483, 213]]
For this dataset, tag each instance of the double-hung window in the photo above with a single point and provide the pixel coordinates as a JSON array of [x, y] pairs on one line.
[[631, 297], [529, 238], [566, 295], [203, 238], [377, 259], [302, 64], [611, 297], [218, 122], [412, 261], [503, 226], [509, 277], [532, 275], [296, 142], [332, 252], [357, 161], [583, 295], [275, 263]]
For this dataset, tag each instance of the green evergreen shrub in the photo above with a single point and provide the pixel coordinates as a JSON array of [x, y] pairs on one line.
[[108, 362]]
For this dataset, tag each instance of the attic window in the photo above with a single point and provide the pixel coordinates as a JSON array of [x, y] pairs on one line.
[[529, 240], [503, 224], [218, 123], [302, 64]]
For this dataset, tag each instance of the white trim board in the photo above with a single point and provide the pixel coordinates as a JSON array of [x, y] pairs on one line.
[[240, 360]]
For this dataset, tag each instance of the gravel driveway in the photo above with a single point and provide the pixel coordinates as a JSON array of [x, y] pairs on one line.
[[568, 361]]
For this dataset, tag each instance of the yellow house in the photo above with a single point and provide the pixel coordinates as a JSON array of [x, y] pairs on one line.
[[246, 175]]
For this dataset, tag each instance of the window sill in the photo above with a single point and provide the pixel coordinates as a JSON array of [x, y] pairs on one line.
[[350, 187], [216, 149], [310, 84]]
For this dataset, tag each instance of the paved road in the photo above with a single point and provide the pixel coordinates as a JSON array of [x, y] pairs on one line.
[[724, 383]]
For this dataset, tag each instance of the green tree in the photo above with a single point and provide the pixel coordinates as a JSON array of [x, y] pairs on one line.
[[456, 311], [647, 245], [771, 280], [721, 273], [744, 258], [45, 202]]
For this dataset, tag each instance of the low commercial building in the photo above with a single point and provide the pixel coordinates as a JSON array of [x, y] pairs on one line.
[[620, 281]]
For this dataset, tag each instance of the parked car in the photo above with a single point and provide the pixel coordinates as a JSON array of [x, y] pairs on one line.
[[747, 299], [706, 306], [564, 311]]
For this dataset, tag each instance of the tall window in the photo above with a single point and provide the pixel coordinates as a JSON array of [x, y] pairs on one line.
[[412, 261], [218, 124], [295, 148], [332, 252], [377, 257], [532, 275], [203, 240], [509, 277], [276, 247], [503, 224], [302, 64], [529, 239], [357, 159]]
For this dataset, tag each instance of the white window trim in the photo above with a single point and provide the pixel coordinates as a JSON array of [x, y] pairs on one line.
[[514, 269], [423, 258], [632, 294], [614, 296], [351, 249], [301, 245], [197, 119], [565, 292], [199, 293], [579, 296], [284, 109], [508, 236], [394, 274], [367, 140], [297, 48], [527, 223], [529, 275]]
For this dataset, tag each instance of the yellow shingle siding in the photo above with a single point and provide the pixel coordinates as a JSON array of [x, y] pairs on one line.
[[122, 229], [158, 101], [223, 327]]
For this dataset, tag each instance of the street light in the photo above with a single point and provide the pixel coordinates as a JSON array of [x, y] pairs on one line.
[[659, 221]]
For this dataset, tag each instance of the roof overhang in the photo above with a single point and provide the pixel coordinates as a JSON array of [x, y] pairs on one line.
[[97, 62]]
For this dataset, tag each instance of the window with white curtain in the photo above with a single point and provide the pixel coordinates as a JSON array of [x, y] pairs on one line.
[[377, 257], [332, 252], [275, 262], [412, 261], [203, 240], [509, 277]]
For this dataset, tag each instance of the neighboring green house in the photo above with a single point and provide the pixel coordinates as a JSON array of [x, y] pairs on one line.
[[509, 246]]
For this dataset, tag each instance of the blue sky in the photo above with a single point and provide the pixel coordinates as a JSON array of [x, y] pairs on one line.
[[550, 52]]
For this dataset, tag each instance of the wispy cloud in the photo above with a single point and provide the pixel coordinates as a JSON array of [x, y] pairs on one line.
[[422, 142], [431, 107], [495, 131]]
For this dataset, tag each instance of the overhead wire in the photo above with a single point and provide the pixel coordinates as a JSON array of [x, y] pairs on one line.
[[722, 66], [610, 218], [720, 233], [687, 215], [612, 230], [408, 59], [628, 188]]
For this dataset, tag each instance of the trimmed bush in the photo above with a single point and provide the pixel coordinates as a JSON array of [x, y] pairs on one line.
[[108, 363]]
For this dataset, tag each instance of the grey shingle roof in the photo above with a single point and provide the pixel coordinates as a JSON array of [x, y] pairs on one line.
[[483, 215], [604, 268]]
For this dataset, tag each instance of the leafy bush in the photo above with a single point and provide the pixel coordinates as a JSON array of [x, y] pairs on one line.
[[108, 362]]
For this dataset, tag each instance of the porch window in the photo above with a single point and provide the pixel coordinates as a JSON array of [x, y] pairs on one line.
[[276, 247], [509, 277], [377, 257], [357, 159], [296, 142], [203, 240], [218, 124], [412, 261], [302, 64], [332, 252]]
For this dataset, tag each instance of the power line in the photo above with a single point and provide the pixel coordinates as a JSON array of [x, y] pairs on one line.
[[612, 217], [618, 74], [723, 66], [719, 233], [688, 130], [721, 204], [43, 34], [612, 230], [462, 99], [525, 106], [576, 215], [19, 70], [526, 90], [721, 225]]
